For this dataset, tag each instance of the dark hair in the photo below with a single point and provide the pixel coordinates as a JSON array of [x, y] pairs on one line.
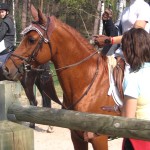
[[4, 6], [136, 47]]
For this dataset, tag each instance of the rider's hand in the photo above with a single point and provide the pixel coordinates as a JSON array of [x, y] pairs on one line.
[[102, 40]]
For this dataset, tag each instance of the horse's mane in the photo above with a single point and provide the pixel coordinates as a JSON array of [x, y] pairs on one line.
[[75, 34], [80, 38]]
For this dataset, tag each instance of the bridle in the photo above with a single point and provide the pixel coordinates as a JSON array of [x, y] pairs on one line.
[[43, 38]]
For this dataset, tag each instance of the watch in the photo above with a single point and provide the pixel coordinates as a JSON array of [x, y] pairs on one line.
[[107, 41]]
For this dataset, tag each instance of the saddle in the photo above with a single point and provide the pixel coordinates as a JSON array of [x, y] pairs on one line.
[[118, 74], [4, 55]]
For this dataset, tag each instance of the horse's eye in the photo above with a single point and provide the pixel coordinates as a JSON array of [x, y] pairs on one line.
[[31, 40]]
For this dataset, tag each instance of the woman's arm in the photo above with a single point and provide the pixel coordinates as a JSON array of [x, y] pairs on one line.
[[138, 24], [129, 107]]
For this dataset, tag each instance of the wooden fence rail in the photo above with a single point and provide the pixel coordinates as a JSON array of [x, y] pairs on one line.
[[103, 124]]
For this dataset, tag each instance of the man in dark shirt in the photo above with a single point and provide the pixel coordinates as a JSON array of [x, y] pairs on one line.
[[110, 30], [7, 30]]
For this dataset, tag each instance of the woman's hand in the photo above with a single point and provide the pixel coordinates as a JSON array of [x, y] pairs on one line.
[[102, 40]]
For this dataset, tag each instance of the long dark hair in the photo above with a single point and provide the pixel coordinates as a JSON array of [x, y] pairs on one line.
[[136, 47]]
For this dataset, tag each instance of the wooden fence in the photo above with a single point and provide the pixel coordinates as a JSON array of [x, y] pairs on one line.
[[103, 124]]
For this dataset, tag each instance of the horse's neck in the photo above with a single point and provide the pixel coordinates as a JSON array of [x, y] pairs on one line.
[[71, 46], [72, 49], [75, 77]]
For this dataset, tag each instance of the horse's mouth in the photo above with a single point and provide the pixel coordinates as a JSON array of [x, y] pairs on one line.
[[8, 76]]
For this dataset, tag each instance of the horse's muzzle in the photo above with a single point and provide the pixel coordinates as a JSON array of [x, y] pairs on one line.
[[11, 76]]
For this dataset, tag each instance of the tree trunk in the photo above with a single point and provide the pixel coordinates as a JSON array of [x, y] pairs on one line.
[[41, 5], [24, 14], [96, 23], [28, 12], [101, 21], [16, 4], [121, 4], [14, 19]]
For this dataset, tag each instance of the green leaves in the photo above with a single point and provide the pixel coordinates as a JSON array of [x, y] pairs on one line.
[[73, 3]]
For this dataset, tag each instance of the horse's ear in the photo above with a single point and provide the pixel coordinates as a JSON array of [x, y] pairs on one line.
[[34, 13], [42, 18]]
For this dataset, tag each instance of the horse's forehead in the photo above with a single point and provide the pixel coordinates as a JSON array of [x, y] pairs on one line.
[[39, 30], [32, 27]]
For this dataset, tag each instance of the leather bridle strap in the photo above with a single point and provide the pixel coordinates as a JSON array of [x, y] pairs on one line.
[[88, 88], [39, 45], [28, 60]]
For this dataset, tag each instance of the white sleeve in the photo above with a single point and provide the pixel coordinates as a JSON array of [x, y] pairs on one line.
[[143, 13], [130, 85]]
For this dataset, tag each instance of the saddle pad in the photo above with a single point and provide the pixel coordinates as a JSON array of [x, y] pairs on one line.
[[3, 58], [113, 91]]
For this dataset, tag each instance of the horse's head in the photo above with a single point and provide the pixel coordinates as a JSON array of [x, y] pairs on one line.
[[34, 49]]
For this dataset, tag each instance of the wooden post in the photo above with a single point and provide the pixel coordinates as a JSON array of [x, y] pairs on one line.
[[13, 136], [6, 98]]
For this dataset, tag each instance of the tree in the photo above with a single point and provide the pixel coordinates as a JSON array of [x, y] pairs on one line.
[[83, 15], [97, 18], [24, 14]]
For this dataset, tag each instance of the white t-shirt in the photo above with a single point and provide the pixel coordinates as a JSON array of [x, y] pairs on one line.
[[138, 10], [2, 46], [136, 85]]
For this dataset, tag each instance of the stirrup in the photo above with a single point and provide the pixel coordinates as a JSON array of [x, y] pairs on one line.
[[114, 108]]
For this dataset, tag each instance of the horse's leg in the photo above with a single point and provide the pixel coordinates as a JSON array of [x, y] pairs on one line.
[[41, 85], [48, 88], [46, 101], [100, 143], [28, 82], [78, 142]]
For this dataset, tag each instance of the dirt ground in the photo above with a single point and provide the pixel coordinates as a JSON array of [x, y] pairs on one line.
[[59, 139]]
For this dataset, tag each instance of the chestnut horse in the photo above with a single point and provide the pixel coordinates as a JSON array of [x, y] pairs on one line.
[[81, 70]]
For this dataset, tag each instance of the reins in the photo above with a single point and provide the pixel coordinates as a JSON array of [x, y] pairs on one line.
[[78, 63], [88, 88]]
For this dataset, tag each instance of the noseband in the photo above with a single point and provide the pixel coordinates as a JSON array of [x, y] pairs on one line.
[[43, 38]]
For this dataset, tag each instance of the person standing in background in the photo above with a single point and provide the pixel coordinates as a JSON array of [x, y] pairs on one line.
[[7, 30]]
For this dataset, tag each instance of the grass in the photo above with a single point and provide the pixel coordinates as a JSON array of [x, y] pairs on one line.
[[56, 82]]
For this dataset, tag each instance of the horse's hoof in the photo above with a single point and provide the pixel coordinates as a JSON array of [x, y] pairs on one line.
[[32, 125], [50, 129]]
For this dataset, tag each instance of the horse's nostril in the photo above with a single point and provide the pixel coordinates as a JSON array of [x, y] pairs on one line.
[[5, 71]]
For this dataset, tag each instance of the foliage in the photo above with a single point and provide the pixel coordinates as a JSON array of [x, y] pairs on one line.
[[56, 82], [79, 14], [74, 3]]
